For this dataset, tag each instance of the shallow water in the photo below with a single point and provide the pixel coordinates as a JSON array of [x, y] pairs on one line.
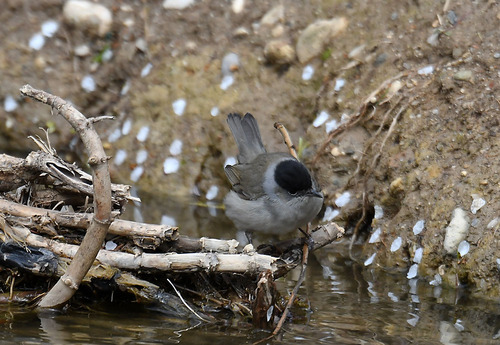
[[341, 302]]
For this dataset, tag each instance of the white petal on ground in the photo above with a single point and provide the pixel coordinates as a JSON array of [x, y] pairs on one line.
[[171, 165], [396, 244], [49, 28], [146, 69], [136, 174], [375, 237], [343, 200], [379, 212], [179, 106], [120, 157], [37, 41], [214, 111], [412, 272], [88, 83], [308, 72], [321, 118], [330, 214], [426, 70], [339, 84], [226, 82], [418, 227], [369, 261], [417, 257], [9, 104], [141, 156], [110, 245], [143, 133], [127, 126], [212, 192], [115, 135], [463, 248], [176, 147], [477, 203], [331, 125]]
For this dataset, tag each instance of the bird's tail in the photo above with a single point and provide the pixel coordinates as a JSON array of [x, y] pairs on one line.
[[247, 136]]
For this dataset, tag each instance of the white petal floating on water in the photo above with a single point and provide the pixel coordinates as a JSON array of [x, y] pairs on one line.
[[230, 161], [214, 111], [426, 70], [141, 156], [413, 322], [176, 147], [436, 281], [308, 72], [171, 165], [9, 104], [136, 174], [126, 87], [143, 133], [226, 82], [393, 297], [127, 126], [110, 245], [477, 203], [37, 41], [146, 69], [88, 83], [369, 261], [396, 244], [379, 212], [412, 272], [418, 227], [339, 83], [331, 125], [212, 192], [321, 118], [343, 199], [463, 248], [167, 220], [120, 157], [115, 135], [417, 257], [179, 106], [375, 237], [49, 28], [330, 214]]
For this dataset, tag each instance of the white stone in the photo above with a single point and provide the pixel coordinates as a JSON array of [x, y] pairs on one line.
[[37, 41], [477, 203], [82, 50], [456, 231], [176, 147], [343, 199], [143, 133], [396, 244], [136, 174], [146, 69], [171, 165], [321, 118], [88, 83], [412, 272], [375, 236], [179, 106], [120, 157], [88, 15], [177, 4], [417, 257], [49, 28], [369, 261], [9, 104], [141, 156], [308, 72], [273, 16], [418, 227], [212, 192]]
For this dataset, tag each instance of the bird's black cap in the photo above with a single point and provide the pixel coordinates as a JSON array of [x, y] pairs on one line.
[[293, 176]]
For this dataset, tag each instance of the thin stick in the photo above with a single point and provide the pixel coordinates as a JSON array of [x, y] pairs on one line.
[[184, 302], [287, 139]]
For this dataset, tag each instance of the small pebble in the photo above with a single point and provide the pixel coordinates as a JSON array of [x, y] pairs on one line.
[[330, 214], [167, 220], [369, 261], [141, 156], [120, 157], [308, 72], [343, 199], [230, 161], [464, 75], [82, 50], [375, 236], [212, 192], [136, 174], [127, 126], [417, 257], [143, 133], [321, 119], [273, 16], [477, 203], [426, 70], [214, 111], [49, 28], [171, 165], [418, 227], [88, 83], [146, 69], [88, 15], [396, 244], [176, 147], [412, 272], [37, 41], [463, 248], [9, 104], [179, 106]]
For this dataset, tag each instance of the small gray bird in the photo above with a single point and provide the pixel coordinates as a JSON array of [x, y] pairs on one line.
[[271, 192]]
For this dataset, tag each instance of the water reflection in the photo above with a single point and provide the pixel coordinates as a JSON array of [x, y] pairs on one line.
[[341, 302]]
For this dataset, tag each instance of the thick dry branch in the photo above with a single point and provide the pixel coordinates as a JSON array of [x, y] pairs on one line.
[[13, 174], [67, 285], [82, 221]]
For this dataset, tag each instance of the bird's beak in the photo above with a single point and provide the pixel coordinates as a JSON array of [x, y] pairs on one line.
[[315, 193]]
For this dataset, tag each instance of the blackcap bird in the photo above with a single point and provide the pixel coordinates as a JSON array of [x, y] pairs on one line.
[[271, 192]]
